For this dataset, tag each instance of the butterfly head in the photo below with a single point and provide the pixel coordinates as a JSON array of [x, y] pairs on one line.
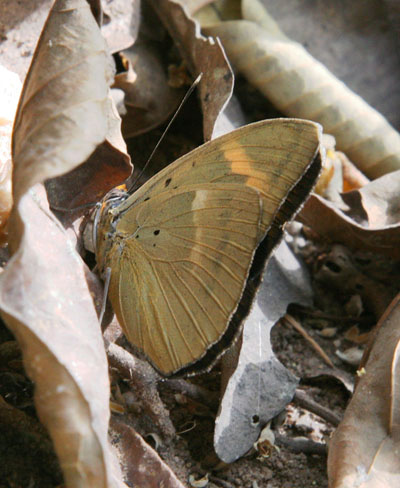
[[103, 221]]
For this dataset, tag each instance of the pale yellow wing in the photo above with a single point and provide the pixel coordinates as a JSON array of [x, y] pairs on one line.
[[179, 266], [180, 248]]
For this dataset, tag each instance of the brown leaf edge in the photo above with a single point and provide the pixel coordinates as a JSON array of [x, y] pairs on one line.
[[364, 449]]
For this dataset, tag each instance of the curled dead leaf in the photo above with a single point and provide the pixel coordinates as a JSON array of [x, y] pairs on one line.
[[364, 449], [63, 115], [202, 55], [58, 126], [300, 86], [371, 223], [56, 325]]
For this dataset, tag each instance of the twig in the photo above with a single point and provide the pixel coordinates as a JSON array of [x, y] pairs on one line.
[[304, 401], [220, 482], [193, 391], [335, 318], [306, 446], [297, 326], [143, 380]]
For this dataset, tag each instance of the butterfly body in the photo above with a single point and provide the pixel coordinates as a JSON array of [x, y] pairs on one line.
[[181, 248]]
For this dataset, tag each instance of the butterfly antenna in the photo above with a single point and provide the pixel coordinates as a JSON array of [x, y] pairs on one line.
[[184, 99], [66, 210]]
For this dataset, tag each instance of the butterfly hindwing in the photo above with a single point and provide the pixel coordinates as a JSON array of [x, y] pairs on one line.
[[179, 259]]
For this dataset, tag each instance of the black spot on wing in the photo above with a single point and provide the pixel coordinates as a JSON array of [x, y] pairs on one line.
[[156, 232], [167, 182]]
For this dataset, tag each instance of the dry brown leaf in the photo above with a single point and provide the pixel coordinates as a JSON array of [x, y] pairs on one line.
[[300, 86], [64, 114], [63, 111], [372, 222], [364, 451], [89, 182], [149, 100], [145, 468], [45, 301], [202, 55], [108, 166]]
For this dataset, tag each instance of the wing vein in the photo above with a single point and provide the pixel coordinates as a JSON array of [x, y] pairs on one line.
[[185, 305], [212, 277], [195, 297], [215, 238], [170, 346], [218, 251], [218, 207]]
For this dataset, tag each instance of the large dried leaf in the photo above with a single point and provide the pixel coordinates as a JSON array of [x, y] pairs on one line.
[[62, 114], [371, 223], [260, 386], [62, 117], [353, 40], [300, 86], [46, 302], [364, 451], [202, 55]]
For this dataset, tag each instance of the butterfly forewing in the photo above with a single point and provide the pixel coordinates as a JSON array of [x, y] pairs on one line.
[[270, 156], [180, 248]]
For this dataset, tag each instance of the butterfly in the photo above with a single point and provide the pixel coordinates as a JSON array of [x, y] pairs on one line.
[[182, 250]]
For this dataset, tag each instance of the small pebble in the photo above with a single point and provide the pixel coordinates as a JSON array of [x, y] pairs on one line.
[[351, 356], [328, 332]]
